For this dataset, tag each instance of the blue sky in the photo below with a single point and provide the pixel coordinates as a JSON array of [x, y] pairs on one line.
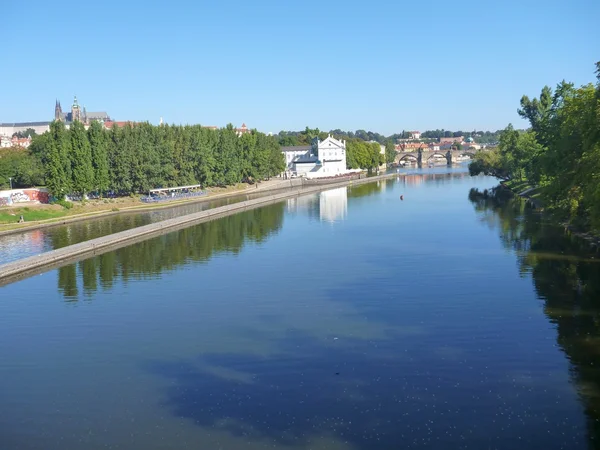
[[376, 65]]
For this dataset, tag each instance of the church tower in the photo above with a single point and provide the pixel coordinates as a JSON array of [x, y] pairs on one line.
[[75, 111], [58, 115]]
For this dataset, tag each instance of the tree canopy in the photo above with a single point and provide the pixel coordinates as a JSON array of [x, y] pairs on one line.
[[139, 157], [560, 153]]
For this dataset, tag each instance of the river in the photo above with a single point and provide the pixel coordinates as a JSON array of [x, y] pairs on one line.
[[349, 319], [32, 242]]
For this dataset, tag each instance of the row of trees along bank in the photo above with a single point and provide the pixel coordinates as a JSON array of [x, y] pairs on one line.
[[559, 154], [139, 157]]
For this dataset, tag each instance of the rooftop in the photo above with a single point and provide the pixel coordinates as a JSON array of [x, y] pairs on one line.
[[297, 148], [24, 124]]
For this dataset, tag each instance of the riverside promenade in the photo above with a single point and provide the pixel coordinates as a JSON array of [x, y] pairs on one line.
[[275, 184], [32, 265]]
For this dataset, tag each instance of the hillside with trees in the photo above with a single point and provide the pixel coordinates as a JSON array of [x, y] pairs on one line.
[[559, 155]]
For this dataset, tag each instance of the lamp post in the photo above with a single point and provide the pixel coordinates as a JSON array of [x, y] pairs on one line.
[[10, 180]]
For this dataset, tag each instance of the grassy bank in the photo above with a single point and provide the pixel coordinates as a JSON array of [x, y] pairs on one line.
[[12, 215]]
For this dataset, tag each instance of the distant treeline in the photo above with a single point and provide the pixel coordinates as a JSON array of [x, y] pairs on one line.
[[290, 138], [559, 154], [139, 157]]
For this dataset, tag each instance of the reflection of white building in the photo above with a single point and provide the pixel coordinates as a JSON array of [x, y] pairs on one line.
[[305, 204], [333, 204]]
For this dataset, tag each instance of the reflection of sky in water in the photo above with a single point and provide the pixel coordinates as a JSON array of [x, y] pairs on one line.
[[403, 325], [15, 246]]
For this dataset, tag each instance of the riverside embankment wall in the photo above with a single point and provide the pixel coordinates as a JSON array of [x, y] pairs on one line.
[[55, 258]]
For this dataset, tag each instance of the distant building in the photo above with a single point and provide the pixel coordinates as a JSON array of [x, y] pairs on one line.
[[121, 124], [242, 130], [79, 113], [8, 129], [292, 154], [100, 116], [452, 140], [325, 158], [411, 146], [21, 142], [415, 134], [8, 141], [5, 141], [76, 113]]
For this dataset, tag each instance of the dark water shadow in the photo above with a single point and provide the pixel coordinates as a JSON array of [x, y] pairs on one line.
[[365, 393], [565, 271]]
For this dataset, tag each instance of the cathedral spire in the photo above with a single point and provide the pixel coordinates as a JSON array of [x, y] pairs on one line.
[[58, 115]]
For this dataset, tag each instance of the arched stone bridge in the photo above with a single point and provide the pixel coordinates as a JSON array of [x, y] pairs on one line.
[[425, 155]]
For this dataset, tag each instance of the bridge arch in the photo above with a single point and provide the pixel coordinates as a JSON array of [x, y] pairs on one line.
[[407, 157], [436, 154]]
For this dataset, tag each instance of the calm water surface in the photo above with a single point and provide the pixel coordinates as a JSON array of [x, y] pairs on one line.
[[345, 320]]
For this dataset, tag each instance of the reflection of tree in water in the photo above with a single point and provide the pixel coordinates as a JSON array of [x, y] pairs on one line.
[[63, 236], [566, 275], [365, 190], [167, 252]]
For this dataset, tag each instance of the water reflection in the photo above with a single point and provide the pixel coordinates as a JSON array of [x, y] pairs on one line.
[[327, 206], [148, 259], [566, 275], [168, 252], [322, 337], [333, 205], [28, 243]]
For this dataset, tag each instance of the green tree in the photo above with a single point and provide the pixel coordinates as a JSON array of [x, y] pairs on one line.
[[276, 164], [228, 157], [99, 148], [81, 159], [390, 152], [120, 159], [560, 153], [56, 160], [24, 168]]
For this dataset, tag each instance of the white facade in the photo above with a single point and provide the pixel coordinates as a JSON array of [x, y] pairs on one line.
[[5, 141], [293, 154], [332, 155], [8, 129], [325, 158]]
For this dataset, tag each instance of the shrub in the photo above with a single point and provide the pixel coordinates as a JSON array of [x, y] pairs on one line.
[[65, 204]]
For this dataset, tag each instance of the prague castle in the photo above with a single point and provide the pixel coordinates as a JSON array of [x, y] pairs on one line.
[[76, 113]]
